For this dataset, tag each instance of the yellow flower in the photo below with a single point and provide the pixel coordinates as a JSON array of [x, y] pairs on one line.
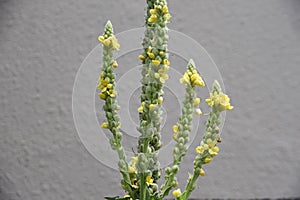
[[140, 109], [216, 149], [200, 83], [141, 57], [197, 101], [211, 143], [152, 106], [101, 38], [157, 7], [165, 9], [156, 62], [207, 160], [177, 193], [152, 18], [168, 16], [110, 40], [205, 146], [221, 100], [115, 43], [209, 101], [115, 64], [149, 180], [166, 68], [132, 170], [161, 75], [160, 100], [174, 135], [109, 86], [102, 96], [175, 128], [112, 93], [152, 11], [166, 62], [212, 152], [104, 125], [197, 79], [151, 55], [119, 126], [106, 42], [202, 172], [225, 102], [200, 149], [185, 78], [198, 111]]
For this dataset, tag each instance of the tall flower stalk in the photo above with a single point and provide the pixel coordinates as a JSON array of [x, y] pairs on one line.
[[140, 176], [208, 148], [106, 86], [154, 74], [191, 79]]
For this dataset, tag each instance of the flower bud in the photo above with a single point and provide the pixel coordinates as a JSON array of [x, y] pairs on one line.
[[175, 169]]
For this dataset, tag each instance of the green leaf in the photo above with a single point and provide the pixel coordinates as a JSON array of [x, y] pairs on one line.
[[167, 191], [117, 198]]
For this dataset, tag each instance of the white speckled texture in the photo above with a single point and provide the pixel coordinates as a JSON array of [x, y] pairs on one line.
[[256, 45]]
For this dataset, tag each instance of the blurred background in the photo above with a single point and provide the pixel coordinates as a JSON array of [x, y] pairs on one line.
[[255, 44]]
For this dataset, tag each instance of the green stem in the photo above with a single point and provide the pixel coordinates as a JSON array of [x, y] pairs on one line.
[[191, 185]]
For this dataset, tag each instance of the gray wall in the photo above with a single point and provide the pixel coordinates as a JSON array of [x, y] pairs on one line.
[[256, 45]]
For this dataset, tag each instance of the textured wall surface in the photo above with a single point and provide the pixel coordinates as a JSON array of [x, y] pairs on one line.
[[256, 45]]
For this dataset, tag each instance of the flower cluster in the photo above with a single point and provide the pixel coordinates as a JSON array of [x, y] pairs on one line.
[[220, 100], [160, 64], [193, 78], [109, 40], [106, 86], [159, 13]]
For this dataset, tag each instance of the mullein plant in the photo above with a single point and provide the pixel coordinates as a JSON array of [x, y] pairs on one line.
[[141, 174]]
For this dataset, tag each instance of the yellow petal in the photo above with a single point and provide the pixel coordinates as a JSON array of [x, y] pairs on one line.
[[177, 193], [197, 102], [115, 43], [152, 11], [165, 9], [104, 125], [101, 38], [152, 106], [166, 62], [141, 57], [160, 100], [198, 111], [102, 96], [140, 109], [207, 160], [175, 128], [115, 64], [106, 42], [202, 172], [156, 62], [151, 55], [168, 16]]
